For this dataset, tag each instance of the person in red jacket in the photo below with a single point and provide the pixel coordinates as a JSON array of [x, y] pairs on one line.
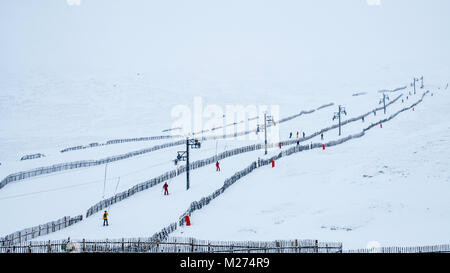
[[166, 189], [217, 166]]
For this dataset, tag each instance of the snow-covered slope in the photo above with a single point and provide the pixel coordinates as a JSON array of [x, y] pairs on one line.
[[390, 186], [76, 190], [362, 191], [73, 75]]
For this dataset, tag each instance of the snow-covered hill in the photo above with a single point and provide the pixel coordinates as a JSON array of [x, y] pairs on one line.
[[74, 75]]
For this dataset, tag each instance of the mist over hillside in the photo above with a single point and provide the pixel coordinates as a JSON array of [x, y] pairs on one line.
[[79, 72]]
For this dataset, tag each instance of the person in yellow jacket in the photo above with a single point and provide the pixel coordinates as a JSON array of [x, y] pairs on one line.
[[105, 218]]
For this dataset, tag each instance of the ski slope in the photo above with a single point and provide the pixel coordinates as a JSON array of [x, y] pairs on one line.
[[389, 187], [101, 70], [126, 221], [75, 190]]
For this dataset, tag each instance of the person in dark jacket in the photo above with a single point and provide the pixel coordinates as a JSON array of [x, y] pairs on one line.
[[166, 189], [105, 218]]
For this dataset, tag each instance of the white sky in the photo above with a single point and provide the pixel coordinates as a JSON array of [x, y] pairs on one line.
[[241, 38]]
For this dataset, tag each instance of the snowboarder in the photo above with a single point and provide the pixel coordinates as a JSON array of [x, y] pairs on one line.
[[217, 166], [105, 218], [166, 189], [290, 135]]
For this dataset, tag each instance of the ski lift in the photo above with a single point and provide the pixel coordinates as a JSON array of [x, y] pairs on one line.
[[197, 144]]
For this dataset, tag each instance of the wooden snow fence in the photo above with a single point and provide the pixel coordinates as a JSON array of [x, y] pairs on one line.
[[395, 249], [173, 245], [33, 232]]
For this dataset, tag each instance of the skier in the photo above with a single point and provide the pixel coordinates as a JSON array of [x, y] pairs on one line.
[[290, 135], [321, 136], [303, 134], [105, 218], [297, 134], [217, 166], [280, 144], [298, 142], [166, 189]]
